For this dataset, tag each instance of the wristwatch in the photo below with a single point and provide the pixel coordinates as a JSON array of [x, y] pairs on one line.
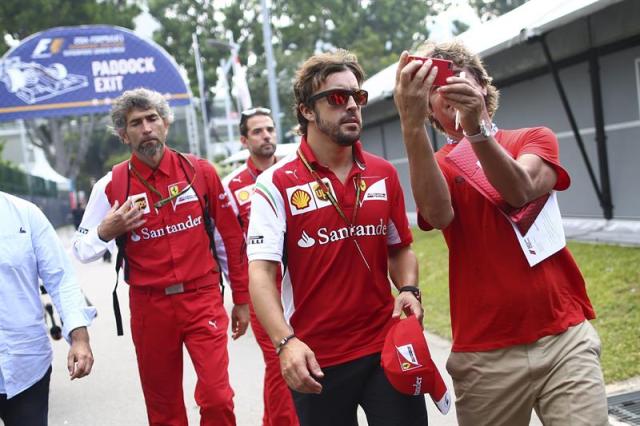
[[412, 289], [482, 136]]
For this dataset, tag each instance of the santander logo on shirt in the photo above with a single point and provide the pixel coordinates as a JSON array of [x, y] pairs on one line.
[[325, 236], [150, 234]]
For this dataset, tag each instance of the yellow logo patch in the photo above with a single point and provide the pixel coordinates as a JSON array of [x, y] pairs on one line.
[[243, 195], [300, 199], [319, 192]]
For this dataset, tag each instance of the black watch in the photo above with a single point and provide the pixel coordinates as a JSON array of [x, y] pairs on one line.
[[413, 289]]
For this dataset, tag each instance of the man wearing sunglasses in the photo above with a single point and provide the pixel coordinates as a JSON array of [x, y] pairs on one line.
[[257, 135], [334, 216], [158, 205]]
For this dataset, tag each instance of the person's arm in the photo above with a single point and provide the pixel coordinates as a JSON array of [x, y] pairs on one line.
[[80, 357], [298, 364], [266, 239], [403, 270], [58, 278], [402, 262], [517, 180], [230, 249], [101, 223], [428, 184]]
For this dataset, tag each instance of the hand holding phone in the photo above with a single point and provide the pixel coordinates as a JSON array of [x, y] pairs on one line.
[[445, 68]]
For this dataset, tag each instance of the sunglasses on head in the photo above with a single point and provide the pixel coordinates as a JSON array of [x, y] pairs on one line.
[[248, 113], [340, 97]]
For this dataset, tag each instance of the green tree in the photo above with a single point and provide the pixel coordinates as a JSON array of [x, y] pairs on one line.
[[179, 20], [377, 31], [489, 9], [65, 141], [21, 18]]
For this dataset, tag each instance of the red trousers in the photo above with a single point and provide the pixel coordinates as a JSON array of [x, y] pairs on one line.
[[160, 325], [278, 402]]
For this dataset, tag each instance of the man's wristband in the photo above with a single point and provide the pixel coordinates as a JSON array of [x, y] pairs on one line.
[[281, 344], [98, 234], [412, 289]]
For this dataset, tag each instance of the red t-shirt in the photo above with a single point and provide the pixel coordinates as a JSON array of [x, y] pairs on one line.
[[497, 299], [333, 302], [172, 246]]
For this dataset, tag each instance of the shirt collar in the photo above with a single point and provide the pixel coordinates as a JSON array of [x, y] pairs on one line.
[[164, 167], [358, 155], [255, 171]]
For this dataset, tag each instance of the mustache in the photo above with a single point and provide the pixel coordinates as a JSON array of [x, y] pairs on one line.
[[351, 118]]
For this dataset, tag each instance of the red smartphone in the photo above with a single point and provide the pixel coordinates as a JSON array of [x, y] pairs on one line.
[[445, 68]]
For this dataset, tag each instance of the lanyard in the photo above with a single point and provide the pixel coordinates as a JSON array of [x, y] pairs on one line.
[[334, 202], [164, 200]]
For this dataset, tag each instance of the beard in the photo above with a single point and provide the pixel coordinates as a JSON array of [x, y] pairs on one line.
[[150, 148], [334, 131], [266, 150]]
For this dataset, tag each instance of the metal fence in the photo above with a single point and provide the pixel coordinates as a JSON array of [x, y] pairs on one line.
[[43, 193]]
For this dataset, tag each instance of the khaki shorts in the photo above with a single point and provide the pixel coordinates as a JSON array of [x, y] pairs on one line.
[[558, 376]]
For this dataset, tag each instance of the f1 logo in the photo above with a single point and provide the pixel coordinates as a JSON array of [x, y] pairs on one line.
[[47, 47]]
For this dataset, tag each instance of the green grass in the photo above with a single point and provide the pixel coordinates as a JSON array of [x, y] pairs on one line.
[[612, 274]]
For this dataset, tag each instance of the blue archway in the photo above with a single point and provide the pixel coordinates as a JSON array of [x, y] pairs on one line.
[[79, 70]]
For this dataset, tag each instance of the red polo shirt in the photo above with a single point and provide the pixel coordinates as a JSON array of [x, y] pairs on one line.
[[172, 246], [336, 298], [497, 299]]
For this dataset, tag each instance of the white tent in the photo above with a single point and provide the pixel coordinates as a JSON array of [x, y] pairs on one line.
[[40, 167]]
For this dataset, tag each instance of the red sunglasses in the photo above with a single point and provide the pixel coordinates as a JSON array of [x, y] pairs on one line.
[[340, 97]]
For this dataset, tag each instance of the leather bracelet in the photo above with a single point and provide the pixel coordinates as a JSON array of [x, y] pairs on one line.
[[283, 342], [413, 290]]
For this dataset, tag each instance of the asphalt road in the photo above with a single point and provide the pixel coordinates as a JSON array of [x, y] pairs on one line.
[[111, 395]]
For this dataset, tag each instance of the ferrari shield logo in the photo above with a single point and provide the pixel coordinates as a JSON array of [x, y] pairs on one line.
[[174, 190]]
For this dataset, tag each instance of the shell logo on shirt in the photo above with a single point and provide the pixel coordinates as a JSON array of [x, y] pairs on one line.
[[308, 197], [243, 195], [300, 199]]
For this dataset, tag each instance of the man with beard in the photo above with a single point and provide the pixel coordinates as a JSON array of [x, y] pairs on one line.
[[158, 205], [334, 215], [257, 135]]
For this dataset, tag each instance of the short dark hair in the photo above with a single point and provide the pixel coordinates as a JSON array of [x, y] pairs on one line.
[[140, 98], [462, 57], [314, 71], [251, 112]]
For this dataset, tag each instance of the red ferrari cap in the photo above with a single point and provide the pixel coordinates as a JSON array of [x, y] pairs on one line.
[[407, 363]]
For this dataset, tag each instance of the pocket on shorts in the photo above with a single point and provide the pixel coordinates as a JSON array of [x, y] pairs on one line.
[[593, 338], [459, 367]]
